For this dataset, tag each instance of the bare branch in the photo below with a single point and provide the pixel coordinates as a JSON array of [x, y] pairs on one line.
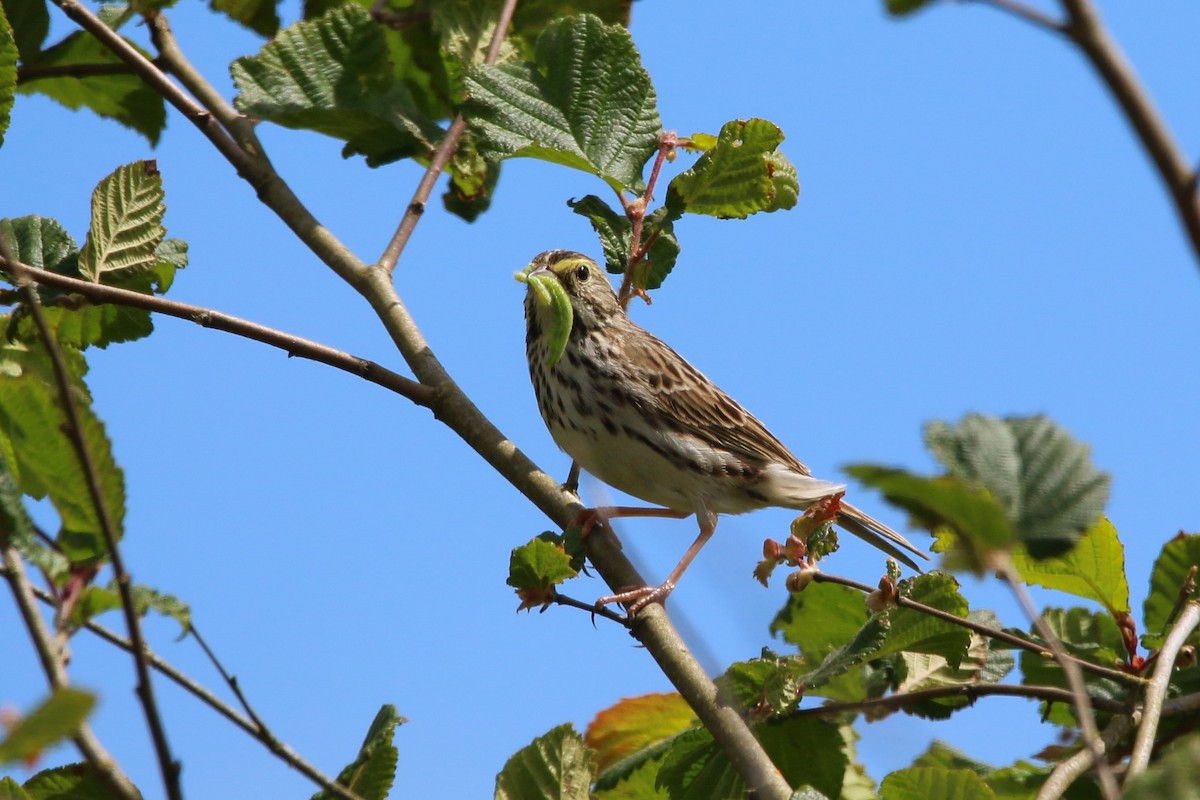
[[56, 673], [984, 630], [1069, 770], [1025, 13], [1156, 692], [1070, 667], [74, 431], [27, 73], [971, 692], [1086, 29], [289, 343], [441, 156]]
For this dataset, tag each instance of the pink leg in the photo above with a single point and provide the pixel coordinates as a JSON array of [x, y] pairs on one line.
[[589, 517], [637, 599]]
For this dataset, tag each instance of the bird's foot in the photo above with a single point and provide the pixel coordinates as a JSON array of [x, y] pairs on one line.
[[638, 598]]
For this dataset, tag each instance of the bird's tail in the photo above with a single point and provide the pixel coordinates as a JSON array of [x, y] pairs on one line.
[[875, 533]]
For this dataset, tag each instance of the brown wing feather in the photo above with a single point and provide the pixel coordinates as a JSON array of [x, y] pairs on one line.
[[683, 393]]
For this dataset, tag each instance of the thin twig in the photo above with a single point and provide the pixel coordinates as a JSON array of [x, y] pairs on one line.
[[1156, 692], [1086, 29], [56, 675], [1066, 772], [636, 211], [1025, 13], [74, 431], [971, 692], [1082, 702], [983, 630], [289, 343], [441, 157], [285, 753], [609, 614], [28, 73]]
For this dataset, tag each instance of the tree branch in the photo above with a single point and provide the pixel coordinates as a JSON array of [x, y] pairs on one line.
[[289, 343], [1156, 692], [1085, 28], [27, 73], [74, 432], [56, 673], [441, 156], [983, 630], [1082, 701], [971, 692], [1025, 13], [1069, 770]]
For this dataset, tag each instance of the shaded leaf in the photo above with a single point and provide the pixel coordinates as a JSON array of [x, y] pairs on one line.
[[124, 98], [584, 102], [333, 75], [981, 664], [556, 766], [465, 29], [634, 724], [147, 599], [59, 717], [922, 783], [372, 772], [8, 71], [917, 632], [1172, 775], [1167, 580], [30, 23], [1044, 479], [259, 16], [902, 7], [42, 243], [69, 782], [743, 173]]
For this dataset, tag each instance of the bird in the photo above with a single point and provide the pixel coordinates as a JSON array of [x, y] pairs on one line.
[[636, 415]]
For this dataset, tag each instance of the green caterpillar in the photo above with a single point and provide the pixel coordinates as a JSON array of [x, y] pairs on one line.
[[550, 293]]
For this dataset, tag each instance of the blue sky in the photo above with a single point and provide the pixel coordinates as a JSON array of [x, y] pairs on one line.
[[977, 231]]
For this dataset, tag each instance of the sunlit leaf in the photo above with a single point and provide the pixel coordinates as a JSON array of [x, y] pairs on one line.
[[556, 766], [371, 773]]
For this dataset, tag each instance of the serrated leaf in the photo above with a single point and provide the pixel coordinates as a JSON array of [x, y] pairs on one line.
[[69, 782], [32, 421], [126, 228], [634, 724], [534, 569], [333, 75], [916, 632], [820, 619], [1086, 635], [1043, 478], [584, 102], [982, 664], [1167, 580], [124, 98], [1173, 775], [147, 599], [762, 686], [59, 717], [11, 790], [1094, 568], [8, 71], [465, 29], [259, 16], [15, 525], [42, 243], [976, 517], [613, 229], [922, 783], [556, 766], [371, 773], [865, 645], [742, 174], [637, 783], [806, 751]]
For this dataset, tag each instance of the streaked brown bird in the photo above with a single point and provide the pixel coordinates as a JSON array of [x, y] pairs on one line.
[[633, 413]]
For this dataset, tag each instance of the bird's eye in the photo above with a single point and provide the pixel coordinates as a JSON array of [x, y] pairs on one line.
[[582, 273]]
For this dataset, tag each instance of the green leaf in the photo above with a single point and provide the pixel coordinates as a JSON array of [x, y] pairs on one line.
[[15, 525], [30, 23], [865, 645], [1173, 775], [901, 7], [806, 751], [1044, 479], [42, 243], [1094, 568], [11, 790], [922, 783], [556, 766], [981, 664], [534, 569], [147, 599], [8, 71], [371, 773], [1086, 635], [465, 29], [124, 98], [584, 102], [976, 517], [742, 174], [47, 464], [69, 782], [613, 229], [59, 717], [472, 180], [127, 212], [916, 632], [259, 16], [1167, 580], [333, 75], [767, 685], [639, 782]]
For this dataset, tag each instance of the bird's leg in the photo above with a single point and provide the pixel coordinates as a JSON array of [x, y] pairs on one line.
[[590, 517], [639, 598]]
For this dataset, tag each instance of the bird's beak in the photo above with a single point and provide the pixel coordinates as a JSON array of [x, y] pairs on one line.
[[535, 278]]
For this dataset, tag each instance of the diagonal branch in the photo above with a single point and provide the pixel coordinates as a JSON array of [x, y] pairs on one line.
[[971, 691]]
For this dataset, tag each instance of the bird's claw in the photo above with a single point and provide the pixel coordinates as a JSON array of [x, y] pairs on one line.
[[638, 598]]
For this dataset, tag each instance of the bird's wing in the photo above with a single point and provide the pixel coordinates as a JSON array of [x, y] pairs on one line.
[[684, 396]]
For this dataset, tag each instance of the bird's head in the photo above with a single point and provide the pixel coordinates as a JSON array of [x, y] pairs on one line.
[[564, 287]]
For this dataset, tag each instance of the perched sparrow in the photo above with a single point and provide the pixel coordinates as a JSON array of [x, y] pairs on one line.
[[636, 415]]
